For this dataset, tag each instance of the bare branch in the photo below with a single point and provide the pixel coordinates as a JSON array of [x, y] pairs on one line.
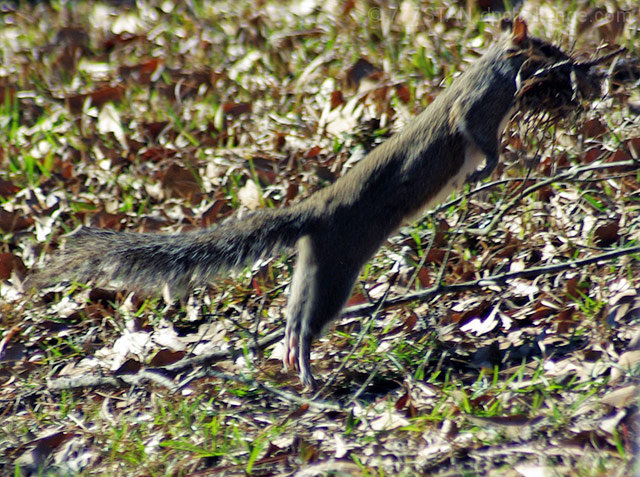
[[493, 280]]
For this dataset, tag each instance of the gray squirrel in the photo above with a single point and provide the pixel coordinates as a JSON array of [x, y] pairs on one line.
[[337, 229]]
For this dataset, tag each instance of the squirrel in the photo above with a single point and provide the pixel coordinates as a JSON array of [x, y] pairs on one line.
[[338, 228]]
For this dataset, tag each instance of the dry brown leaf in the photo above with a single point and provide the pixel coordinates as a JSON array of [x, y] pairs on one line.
[[336, 99], [403, 93], [141, 72], [118, 39], [106, 220], [628, 361], [424, 277], [593, 128], [621, 398], [33, 459], [249, 195], [633, 145], [612, 25], [594, 153], [219, 208], [236, 109], [165, 357], [8, 189], [98, 97], [178, 181], [9, 264], [130, 366], [360, 70], [156, 153], [618, 155], [357, 298], [14, 221], [607, 234]]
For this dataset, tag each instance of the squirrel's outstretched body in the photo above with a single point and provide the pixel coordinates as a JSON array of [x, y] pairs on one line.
[[340, 227]]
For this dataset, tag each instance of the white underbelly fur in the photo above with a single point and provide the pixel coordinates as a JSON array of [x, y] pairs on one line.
[[473, 158]]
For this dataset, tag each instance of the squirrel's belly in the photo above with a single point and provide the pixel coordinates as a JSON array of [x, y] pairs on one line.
[[473, 158]]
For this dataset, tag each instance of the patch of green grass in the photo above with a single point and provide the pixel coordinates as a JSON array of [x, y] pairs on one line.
[[214, 423]]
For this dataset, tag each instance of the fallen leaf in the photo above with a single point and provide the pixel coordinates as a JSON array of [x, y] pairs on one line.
[[141, 72], [360, 70], [14, 221], [105, 220], [633, 145], [607, 234], [249, 195], [165, 357], [336, 99], [34, 459], [627, 362], [179, 181], [9, 264], [236, 109], [621, 398], [123, 38], [130, 366], [8, 189], [109, 122], [98, 97], [403, 92]]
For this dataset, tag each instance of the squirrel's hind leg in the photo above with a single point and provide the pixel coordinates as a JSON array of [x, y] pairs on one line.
[[320, 286]]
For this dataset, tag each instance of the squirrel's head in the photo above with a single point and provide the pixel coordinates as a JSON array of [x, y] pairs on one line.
[[550, 80], [530, 48]]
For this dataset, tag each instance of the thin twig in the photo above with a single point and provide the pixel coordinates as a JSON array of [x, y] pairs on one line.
[[493, 280], [286, 395], [122, 380], [574, 171], [379, 306], [214, 356], [423, 259], [571, 173]]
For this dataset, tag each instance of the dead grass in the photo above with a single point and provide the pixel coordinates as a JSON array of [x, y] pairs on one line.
[[166, 117]]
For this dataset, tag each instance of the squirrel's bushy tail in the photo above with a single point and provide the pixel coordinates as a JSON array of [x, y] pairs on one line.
[[174, 263]]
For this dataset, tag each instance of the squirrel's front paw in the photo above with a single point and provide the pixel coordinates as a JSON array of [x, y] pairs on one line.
[[491, 161], [479, 175]]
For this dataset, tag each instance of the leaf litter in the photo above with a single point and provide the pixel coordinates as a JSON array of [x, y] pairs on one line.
[[168, 117]]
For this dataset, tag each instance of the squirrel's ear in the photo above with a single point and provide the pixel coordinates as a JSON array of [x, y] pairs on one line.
[[519, 31]]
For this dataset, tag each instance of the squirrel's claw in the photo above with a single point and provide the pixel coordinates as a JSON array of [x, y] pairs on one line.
[[297, 356]]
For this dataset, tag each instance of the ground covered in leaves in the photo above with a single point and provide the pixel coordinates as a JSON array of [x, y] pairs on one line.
[[498, 336]]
